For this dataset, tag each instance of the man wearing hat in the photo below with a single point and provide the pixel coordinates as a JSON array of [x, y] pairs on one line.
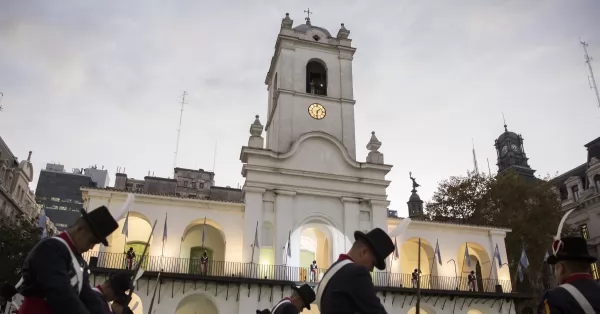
[[7, 292], [114, 289], [347, 286], [301, 298], [578, 291], [55, 275]]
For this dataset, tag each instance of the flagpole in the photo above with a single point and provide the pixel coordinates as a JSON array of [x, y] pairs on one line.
[[418, 307], [256, 230], [493, 262]]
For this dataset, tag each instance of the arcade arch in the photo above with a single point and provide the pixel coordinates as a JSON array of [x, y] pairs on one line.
[[135, 236], [192, 303], [480, 263], [425, 309], [197, 238], [409, 257]]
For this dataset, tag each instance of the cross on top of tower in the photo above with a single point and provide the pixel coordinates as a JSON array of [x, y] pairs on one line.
[[308, 13]]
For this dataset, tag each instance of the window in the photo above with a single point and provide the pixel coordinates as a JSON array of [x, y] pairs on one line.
[[595, 271], [185, 183], [201, 185], [60, 225], [66, 200], [52, 207], [55, 199], [597, 182], [78, 202], [194, 184], [62, 207], [584, 231], [575, 191], [316, 78]]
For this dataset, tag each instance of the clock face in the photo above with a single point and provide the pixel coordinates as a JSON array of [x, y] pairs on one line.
[[316, 111], [504, 149], [514, 147]]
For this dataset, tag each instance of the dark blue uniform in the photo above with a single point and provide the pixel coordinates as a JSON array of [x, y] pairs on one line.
[[560, 301]]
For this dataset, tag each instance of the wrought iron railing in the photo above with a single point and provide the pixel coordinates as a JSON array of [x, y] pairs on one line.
[[193, 266]]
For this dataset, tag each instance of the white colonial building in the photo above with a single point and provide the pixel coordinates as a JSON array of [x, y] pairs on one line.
[[304, 196]]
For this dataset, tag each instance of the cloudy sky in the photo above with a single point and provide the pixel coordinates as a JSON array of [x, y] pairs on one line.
[[99, 82]]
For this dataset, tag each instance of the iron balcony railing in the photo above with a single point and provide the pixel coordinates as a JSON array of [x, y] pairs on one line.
[[193, 266]]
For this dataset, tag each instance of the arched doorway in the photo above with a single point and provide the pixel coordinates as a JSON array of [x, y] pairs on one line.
[[200, 237], [478, 262], [133, 235], [314, 247], [196, 304], [409, 261]]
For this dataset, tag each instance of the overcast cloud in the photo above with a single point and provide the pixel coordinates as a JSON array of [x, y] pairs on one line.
[[99, 82]]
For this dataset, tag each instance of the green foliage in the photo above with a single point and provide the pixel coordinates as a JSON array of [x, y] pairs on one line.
[[531, 209], [17, 238]]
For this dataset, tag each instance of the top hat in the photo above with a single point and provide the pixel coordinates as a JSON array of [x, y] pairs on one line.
[[7, 291], [119, 283], [101, 223], [570, 249], [306, 293], [380, 244], [265, 311]]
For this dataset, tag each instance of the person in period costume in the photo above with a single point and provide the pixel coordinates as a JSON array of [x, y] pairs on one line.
[[414, 278], [7, 292], [347, 286], [313, 271], [130, 256], [114, 289], [472, 281], [578, 292], [204, 263], [55, 275], [301, 298]]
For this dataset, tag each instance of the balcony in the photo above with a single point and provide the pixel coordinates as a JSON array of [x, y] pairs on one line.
[[192, 269]]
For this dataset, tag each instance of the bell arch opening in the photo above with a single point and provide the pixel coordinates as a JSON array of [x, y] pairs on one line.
[[316, 77], [192, 303], [135, 234], [197, 239], [479, 264]]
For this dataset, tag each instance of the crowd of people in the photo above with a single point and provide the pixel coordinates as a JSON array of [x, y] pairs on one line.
[[55, 277]]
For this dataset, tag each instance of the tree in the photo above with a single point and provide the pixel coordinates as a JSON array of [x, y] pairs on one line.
[[17, 238], [530, 208]]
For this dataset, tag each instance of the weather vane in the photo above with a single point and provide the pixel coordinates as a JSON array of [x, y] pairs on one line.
[[308, 13]]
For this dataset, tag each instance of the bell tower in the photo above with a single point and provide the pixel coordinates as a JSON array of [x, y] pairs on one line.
[[511, 154], [310, 86]]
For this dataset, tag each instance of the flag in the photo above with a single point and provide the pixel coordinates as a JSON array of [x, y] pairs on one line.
[[520, 271], [467, 256], [203, 228], [165, 230], [42, 224], [437, 252], [497, 256], [396, 255], [126, 226], [524, 261], [256, 236], [289, 249]]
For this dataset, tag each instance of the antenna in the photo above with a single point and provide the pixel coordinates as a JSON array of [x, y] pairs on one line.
[[591, 79], [179, 129], [1, 96], [489, 171], [215, 156], [475, 158]]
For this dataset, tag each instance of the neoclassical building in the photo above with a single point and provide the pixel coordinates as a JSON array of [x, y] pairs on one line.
[[304, 196]]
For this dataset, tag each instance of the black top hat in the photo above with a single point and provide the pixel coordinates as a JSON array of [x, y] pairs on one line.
[[307, 294], [7, 291], [101, 222], [571, 249], [380, 243], [119, 283]]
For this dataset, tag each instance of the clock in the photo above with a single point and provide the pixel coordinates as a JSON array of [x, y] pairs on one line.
[[504, 149], [316, 111], [514, 147]]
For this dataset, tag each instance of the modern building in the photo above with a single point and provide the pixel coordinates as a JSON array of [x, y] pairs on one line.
[[579, 188], [304, 196], [99, 176], [59, 193]]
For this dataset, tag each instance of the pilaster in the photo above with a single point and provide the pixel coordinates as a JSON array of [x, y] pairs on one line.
[[284, 223], [253, 211], [351, 220], [500, 272]]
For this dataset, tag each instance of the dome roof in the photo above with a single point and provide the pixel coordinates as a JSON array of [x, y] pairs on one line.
[[414, 197], [508, 135], [303, 28]]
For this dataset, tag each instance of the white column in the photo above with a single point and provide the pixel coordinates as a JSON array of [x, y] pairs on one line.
[[351, 220], [252, 214], [500, 272], [379, 220], [284, 205]]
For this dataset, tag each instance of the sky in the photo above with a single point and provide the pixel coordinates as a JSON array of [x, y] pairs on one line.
[[100, 83]]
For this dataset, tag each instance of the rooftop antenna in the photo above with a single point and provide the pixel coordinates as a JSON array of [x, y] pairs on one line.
[[475, 157], [489, 171], [591, 79], [179, 128], [504, 120]]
